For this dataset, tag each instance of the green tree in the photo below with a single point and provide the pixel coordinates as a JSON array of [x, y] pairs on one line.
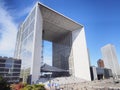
[[28, 87], [3, 84], [39, 87], [34, 87]]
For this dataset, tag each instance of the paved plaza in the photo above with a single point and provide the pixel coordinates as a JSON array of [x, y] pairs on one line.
[[77, 84]]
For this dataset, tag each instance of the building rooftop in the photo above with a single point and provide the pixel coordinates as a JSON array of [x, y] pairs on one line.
[[55, 24], [4, 57]]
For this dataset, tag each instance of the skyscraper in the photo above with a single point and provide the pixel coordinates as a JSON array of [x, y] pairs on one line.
[[100, 63], [110, 59], [68, 43]]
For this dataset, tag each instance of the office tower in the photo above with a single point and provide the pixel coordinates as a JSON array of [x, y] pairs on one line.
[[100, 63], [10, 69], [68, 43], [98, 73], [110, 59]]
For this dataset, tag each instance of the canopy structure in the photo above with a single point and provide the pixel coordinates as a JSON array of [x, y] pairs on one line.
[[48, 68]]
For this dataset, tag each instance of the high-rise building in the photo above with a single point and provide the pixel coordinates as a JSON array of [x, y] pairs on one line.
[[110, 59], [100, 63], [10, 69], [98, 73], [69, 49]]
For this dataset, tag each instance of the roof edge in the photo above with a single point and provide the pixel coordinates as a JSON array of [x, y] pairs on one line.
[[39, 3]]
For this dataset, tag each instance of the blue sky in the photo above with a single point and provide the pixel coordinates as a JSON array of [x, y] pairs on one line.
[[101, 19]]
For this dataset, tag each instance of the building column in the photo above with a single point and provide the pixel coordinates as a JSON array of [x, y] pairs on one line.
[[37, 48], [80, 55]]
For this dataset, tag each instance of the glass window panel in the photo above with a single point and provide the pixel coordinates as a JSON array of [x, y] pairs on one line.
[[16, 70], [10, 61], [2, 65], [1, 69], [32, 14], [29, 45], [8, 65], [2, 61], [17, 66], [17, 61], [26, 58], [31, 27], [25, 33], [24, 45]]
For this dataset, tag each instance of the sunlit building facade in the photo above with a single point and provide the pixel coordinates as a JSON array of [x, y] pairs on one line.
[[69, 49], [110, 59]]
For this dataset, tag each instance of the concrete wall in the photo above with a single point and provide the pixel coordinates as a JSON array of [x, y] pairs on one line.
[[80, 55], [36, 59], [70, 53]]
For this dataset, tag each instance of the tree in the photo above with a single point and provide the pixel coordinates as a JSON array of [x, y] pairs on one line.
[[24, 86], [34, 87], [3, 84], [18, 86]]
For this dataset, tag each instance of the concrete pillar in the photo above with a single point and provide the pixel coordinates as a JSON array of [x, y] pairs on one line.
[[37, 41], [80, 55]]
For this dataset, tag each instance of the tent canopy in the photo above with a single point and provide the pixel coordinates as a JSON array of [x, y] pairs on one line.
[[48, 68]]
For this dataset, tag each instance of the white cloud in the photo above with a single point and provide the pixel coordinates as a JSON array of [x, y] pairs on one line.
[[8, 30]]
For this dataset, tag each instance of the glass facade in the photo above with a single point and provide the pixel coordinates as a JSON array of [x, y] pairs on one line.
[[62, 53], [10, 69], [24, 43], [27, 41]]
